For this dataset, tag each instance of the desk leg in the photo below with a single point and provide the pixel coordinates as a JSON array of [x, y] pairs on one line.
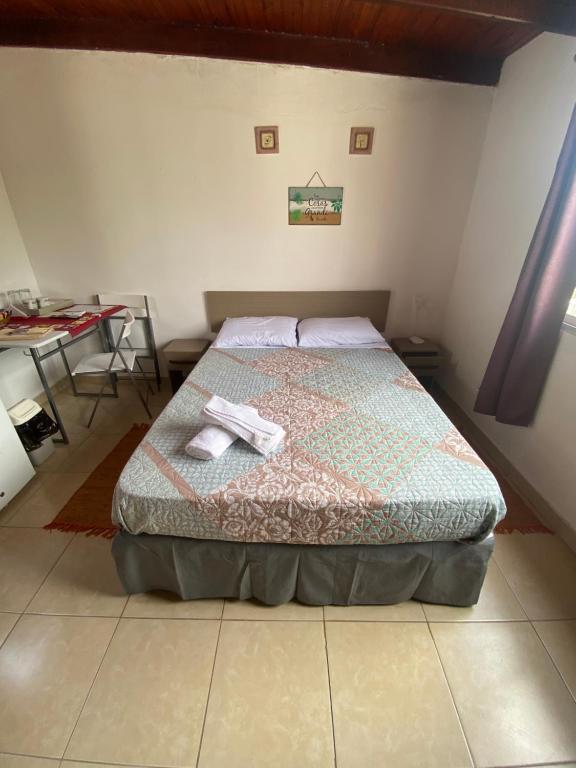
[[68, 371], [109, 345], [49, 395]]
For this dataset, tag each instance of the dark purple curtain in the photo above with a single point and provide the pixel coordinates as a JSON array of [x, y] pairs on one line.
[[519, 365]]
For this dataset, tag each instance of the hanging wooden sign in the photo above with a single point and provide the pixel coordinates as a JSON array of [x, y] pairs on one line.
[[315, 205]]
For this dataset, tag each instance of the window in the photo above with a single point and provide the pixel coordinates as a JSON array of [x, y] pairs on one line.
[[570, 318]]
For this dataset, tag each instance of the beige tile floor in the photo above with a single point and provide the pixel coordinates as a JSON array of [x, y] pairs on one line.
[[90, 677]]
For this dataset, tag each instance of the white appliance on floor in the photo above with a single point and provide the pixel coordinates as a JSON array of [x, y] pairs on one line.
[[15, 467]]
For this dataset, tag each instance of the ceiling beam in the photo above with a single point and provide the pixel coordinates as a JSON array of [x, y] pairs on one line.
[[246, 45], [546, 15]]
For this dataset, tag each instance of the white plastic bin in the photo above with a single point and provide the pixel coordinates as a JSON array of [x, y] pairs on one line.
[[34, 428]]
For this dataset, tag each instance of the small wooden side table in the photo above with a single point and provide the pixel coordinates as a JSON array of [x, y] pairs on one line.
[[424, 360], [181, 355]]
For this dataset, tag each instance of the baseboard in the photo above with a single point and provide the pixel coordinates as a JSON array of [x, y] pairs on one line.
[[542, 509]]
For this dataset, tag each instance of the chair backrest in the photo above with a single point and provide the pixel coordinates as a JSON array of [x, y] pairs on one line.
[[126, 329], [143, 309], [142, 304]]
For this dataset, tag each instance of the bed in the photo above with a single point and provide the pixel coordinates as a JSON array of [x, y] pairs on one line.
[[373, 497]]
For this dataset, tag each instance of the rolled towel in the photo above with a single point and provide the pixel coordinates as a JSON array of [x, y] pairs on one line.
[[210, 443], [263, 435]]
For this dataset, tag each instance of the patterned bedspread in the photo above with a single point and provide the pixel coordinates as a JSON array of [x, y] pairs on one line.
[[368, 458]]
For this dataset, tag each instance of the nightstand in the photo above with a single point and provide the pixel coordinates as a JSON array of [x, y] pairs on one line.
[[181, 355], [424, 360]]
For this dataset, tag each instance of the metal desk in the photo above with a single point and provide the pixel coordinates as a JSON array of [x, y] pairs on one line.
[[56, 343]]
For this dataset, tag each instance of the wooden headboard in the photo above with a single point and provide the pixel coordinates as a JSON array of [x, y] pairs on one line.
[[223, 304]]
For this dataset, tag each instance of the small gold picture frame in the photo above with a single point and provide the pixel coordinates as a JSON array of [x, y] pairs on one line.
[[266, 139], [361, 140]]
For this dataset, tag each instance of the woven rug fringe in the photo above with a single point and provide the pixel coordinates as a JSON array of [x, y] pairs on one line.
[[502, 528], [105, 533]]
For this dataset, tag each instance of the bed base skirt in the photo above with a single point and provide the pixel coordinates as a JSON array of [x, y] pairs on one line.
[[448, 573]]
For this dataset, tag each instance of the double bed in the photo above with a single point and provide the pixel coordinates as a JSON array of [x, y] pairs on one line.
[[373, 496]]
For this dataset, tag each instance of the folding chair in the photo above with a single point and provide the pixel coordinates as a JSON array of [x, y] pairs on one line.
[[142, 307], [111, 363]]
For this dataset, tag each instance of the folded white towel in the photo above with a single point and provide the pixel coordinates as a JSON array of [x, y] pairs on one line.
[[244, 421], [210, 443]]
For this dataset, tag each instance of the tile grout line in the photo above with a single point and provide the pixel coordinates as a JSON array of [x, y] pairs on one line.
[[329, 686], [468, 746], [44, 580], [89, 691], [120, 616], [25, 754], [128, 596], [510, 587], [556, 667], [264, 618], [535, 765], [3, 643], [517, 596], [531, 622], [11, 521], [64, 761], [209, 692], [25, 500], [458, 715]]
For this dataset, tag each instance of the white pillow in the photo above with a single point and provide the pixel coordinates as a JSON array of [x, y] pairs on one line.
[[257, 332], [337, 332]]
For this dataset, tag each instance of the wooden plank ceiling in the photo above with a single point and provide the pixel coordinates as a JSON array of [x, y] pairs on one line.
[[458, 40]]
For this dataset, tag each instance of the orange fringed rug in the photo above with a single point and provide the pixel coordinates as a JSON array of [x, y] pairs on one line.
[[88, 511]]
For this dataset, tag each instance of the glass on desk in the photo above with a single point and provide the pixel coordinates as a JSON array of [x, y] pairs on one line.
[[20, 298], [19, 295]]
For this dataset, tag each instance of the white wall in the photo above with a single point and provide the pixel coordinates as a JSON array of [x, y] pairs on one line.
[[15, 269], [528, 123], [18, 378], [138, 173]]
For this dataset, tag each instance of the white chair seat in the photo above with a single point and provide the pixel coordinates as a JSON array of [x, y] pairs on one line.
[[99, 363]]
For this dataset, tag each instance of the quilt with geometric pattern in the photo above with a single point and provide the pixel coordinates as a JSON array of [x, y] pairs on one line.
[[368, 458]]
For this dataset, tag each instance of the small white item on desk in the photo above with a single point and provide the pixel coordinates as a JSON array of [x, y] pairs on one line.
[[210, 443], [417, 340], [72, 314], [79, 310], [263, 435], [17, 310]]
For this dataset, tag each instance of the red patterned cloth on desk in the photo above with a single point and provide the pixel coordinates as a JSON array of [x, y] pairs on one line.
[[71, 326]]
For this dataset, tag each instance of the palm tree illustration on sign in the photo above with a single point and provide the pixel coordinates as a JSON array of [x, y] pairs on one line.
[[315, 205]]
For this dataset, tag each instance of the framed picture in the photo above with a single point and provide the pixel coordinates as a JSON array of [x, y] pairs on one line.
[[315, 205], [266, 139], [361, 140]]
